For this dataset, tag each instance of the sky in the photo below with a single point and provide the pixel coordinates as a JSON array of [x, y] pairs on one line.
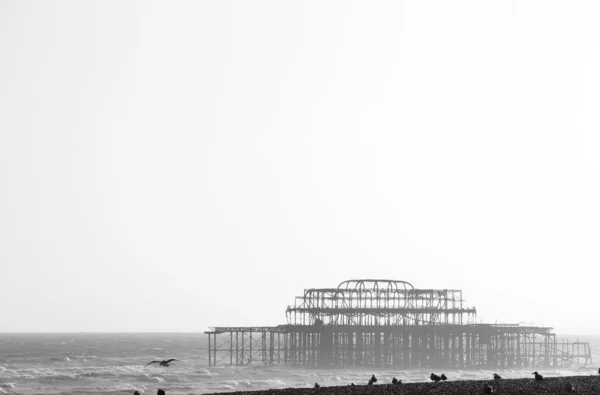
[[171, 166]]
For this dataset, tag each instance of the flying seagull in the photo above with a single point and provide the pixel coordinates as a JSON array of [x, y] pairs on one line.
[[164, 363]]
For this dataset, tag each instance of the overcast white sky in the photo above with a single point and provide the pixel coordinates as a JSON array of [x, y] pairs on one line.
[[173, 166]]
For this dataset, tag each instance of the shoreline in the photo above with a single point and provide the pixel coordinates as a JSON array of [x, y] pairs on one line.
[[551, 385]]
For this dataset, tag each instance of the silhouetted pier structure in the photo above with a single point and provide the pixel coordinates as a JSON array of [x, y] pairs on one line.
[[387, 323]]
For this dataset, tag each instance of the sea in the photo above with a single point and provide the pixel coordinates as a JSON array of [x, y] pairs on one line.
[[114, 363]]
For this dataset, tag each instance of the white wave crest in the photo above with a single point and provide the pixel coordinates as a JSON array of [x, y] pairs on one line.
[[152, 349], [205, 372]]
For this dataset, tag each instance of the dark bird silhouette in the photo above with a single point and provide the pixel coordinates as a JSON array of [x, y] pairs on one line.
[[164, 363], [394, 381], [136, 393], [372, 380], [569, 387], [497, 376], [435, 377], [443, 377], [538, 377], [598, 370], [317, 385], [487, 389], [160, 392]]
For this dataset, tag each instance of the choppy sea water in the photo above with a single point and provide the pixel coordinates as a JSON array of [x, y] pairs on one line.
[[113, 363]]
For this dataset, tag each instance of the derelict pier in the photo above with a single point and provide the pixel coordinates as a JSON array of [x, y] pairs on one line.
[[388, 323]]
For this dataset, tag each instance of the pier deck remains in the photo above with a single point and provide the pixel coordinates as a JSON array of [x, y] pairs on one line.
[[389, 323]]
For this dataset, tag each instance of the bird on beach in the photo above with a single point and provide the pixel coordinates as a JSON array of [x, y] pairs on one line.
[[435, 377], [569, 387], [497, 376], [598, 370], [538, 377], [443, 377], [372, 380], [164, 363], [136, 393], [396, 381], [317, 385], [160, 392]]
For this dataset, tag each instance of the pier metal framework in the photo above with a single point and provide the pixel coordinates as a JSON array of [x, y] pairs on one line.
[[379, 302], [388, 323]]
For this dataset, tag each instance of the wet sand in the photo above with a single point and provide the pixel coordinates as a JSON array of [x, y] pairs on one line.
[[551, 385]]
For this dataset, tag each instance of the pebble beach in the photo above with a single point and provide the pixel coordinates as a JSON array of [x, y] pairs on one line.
[[552, 385]]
